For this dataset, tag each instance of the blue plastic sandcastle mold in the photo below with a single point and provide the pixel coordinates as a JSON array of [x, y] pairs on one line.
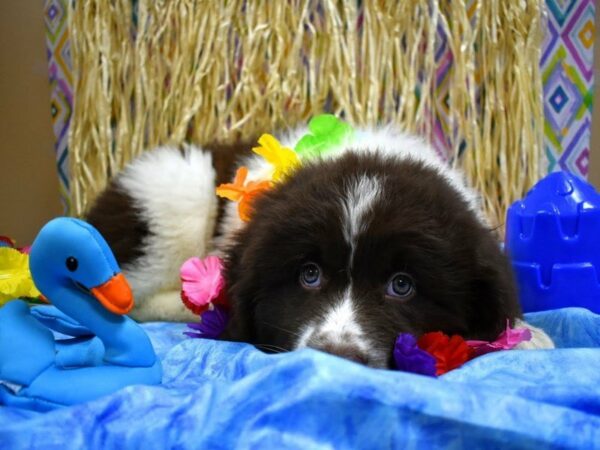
[[553, 241]]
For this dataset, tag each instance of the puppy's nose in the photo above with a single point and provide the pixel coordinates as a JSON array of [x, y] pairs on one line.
[[344, 351]]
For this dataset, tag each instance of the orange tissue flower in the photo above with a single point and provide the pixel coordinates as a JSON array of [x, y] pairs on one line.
[[243, 192]]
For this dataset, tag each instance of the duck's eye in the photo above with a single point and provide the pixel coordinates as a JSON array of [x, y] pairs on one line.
[[401, 286], [310, 276], [72, 264]]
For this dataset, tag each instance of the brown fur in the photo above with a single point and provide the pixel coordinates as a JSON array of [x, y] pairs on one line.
[[118, 219], [420, 226]]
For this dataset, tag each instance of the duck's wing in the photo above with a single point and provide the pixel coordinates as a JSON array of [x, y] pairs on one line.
[[82, 350], [56, 320]]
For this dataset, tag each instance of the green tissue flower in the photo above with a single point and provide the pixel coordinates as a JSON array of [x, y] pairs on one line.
[[326, 132]]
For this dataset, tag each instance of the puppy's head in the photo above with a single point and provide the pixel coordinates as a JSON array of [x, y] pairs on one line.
[[350, 252]]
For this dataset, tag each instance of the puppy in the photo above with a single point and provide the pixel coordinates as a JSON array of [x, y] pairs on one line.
[[379, 238]]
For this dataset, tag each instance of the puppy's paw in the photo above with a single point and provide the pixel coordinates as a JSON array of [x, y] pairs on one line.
[[164, 306], [539, 338]]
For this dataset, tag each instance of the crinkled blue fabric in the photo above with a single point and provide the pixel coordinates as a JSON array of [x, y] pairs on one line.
[[226, 395]]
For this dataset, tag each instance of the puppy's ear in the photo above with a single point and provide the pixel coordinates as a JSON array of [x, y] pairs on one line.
[[494, 292], [239, 281]]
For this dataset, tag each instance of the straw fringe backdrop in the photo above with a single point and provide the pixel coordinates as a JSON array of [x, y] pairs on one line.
[[169, 72]]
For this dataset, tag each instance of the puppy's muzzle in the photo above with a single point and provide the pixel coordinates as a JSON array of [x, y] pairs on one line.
[[345, 351]]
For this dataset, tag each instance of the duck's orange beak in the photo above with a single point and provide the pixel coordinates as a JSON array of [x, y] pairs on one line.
[[115, 295]]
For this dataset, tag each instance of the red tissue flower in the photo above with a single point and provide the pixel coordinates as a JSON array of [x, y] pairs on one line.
[[449, 352]]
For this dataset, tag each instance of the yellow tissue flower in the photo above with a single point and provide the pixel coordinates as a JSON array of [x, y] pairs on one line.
[[284, 160], [15, 278]]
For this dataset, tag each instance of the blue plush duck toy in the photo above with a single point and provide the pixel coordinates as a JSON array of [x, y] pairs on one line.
[[104, 350]]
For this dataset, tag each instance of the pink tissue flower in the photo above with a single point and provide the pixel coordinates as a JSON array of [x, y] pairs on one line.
[[508, 339], [202, 283]]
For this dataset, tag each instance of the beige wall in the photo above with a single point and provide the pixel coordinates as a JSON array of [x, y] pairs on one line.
[[29, 194], [594, 175]]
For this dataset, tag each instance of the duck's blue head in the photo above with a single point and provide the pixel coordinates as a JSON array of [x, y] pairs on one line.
[[69, 254]]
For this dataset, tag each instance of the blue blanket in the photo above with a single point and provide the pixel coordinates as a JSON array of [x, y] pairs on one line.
[[225, 395]]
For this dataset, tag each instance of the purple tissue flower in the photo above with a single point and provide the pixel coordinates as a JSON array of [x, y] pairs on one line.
[[212, 323], [410, 358]]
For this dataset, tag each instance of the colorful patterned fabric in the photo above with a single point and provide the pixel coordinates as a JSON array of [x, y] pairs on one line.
[[567, 71], [568, 77], [61, 83]]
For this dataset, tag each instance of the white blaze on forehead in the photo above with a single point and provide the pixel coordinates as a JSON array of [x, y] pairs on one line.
[[357, 202], [392, 142]]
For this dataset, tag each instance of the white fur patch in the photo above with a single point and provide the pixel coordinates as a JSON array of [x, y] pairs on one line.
[[339, 327], [175, 194], [539, 338], [357, 202], [163, 306], [340, 322]]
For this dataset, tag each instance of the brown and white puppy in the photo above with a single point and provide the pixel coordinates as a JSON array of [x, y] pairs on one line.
[[377, 239]]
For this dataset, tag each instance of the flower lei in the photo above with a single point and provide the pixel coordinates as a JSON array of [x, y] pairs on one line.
[[203, 285], [436, 353], [326, 133], [15, 278]]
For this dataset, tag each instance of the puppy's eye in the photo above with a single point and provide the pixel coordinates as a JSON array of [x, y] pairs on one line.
[[400, 286], [310, 276]]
